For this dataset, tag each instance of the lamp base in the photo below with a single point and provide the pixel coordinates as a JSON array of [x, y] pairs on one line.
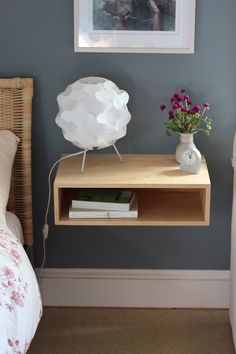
[[85, 154]]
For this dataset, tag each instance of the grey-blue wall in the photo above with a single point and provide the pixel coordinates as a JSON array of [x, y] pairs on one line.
[[36, 39]]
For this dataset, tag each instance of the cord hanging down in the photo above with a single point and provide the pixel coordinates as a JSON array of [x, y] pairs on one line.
[[45, 230]]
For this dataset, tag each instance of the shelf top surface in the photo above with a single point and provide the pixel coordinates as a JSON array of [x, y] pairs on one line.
[[137, 171]]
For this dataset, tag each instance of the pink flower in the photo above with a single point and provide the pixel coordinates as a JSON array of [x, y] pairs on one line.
[[17, 298], [179, 98], [163, 107], [8, 272], [175, 106], [10, 343], [196, 109], [15, 257], [206, 105], [171, 115], [9, 307]]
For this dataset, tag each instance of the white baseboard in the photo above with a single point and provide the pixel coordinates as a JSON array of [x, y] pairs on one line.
[[135, 288]]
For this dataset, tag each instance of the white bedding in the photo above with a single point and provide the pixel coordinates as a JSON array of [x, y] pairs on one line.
[[20, 300], [13, 223]]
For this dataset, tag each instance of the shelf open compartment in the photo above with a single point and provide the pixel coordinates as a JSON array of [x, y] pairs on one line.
[[159, 206]]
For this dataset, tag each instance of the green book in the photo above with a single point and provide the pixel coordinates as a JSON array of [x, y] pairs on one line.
[[103, 199]]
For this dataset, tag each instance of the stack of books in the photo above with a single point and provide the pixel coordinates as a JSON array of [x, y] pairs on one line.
[[104, 203]]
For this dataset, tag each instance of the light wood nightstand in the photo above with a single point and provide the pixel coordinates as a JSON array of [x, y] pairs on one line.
[[166, 196]]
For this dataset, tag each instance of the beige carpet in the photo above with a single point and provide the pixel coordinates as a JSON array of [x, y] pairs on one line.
[[132, 331]]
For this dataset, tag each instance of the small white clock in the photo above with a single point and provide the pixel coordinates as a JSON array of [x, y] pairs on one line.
[[190, 160]]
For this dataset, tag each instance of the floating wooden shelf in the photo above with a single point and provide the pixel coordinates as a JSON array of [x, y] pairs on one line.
[[166, 196]]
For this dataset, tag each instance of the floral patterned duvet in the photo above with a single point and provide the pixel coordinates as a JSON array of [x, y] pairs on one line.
[[20, 300]]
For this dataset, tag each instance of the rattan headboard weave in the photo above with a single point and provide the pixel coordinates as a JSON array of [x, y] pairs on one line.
[[15, 114]]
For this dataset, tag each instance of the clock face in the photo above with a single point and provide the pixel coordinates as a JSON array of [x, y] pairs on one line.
[[190, 160]]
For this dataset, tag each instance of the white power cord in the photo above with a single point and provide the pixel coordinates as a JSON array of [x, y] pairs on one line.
[[46, 225]]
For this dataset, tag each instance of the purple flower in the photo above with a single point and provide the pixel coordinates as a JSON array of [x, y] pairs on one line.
[[171, 115], [163, 107], [179, 98], [176, 106], [185, 115], [197, 109]]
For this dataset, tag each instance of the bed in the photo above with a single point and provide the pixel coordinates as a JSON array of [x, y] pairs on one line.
[[20, 300]]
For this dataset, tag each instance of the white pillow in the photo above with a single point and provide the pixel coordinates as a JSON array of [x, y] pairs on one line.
[[13, 223], [8, 147]]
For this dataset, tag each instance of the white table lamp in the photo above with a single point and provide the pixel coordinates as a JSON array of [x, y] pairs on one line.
[[93, 113]]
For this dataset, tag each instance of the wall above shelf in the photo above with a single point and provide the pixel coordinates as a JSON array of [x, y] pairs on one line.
[[166, 196]]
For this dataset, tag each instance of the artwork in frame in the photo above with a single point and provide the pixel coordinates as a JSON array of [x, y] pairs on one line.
[[134, 26]]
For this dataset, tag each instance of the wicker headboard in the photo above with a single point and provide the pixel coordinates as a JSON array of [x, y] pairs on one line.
[[15, 115]]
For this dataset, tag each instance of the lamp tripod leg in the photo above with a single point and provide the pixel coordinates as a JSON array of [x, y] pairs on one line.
[[118, 154], [83, 161]]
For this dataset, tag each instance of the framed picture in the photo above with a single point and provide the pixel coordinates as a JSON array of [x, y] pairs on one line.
[[134, 26]]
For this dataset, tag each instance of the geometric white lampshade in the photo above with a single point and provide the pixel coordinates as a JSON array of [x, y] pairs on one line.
[[93, 113]]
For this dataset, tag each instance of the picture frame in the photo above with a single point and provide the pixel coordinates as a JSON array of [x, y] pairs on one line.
[[117, 26]]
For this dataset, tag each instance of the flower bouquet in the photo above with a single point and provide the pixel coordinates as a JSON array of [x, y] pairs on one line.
[[184, 117]]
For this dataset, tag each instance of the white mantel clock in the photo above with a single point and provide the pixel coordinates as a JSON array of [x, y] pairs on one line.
[[190, 160]]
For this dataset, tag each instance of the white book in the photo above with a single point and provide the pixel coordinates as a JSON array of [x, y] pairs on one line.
[[86, 200], [78, 213], [123, 214]]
